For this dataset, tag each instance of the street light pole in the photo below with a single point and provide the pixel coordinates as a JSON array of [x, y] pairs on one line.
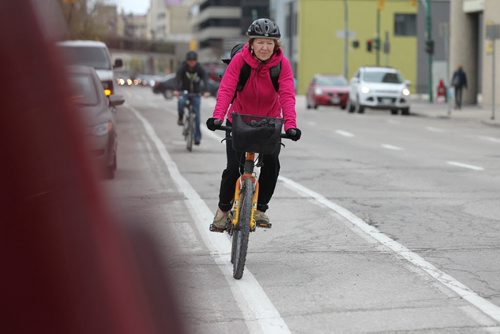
[[428, 27], [346, 40]]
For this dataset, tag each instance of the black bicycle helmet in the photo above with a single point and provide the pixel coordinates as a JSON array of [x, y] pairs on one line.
[[191, 55], [263, 28]]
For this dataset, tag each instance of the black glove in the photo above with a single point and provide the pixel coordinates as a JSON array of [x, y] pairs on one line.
[[294, 134], [213, 123]]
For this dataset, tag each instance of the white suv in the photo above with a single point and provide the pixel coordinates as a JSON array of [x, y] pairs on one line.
[[93, 54], [379, 88]]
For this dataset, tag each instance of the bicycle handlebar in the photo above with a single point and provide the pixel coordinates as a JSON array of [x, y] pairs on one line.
[[229, 128]]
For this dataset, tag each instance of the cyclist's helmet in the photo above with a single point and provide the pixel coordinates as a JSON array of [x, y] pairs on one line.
[[191, 55], [263, 28]]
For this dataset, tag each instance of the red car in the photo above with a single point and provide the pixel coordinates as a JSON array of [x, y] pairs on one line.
[[327, 90]]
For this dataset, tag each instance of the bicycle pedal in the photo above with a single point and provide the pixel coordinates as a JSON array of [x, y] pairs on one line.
[[264, 224], [214, 228]]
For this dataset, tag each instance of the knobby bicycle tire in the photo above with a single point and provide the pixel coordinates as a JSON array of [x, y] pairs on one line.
[[243, 229], [190, 132]]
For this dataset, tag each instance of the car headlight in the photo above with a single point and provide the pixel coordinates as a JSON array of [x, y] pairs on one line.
[[365, 89], [405, 91], [318, 91], [101, 129]]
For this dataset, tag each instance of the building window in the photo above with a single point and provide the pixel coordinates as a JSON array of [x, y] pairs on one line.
[[405, 24]]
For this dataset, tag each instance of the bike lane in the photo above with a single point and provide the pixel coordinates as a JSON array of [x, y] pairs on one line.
[[319, 271]]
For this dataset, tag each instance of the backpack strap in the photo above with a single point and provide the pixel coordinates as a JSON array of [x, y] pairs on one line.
[[274, 72], [244, 75], [275, 75]]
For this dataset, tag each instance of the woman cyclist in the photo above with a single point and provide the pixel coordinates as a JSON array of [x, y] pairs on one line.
[[258, 97]]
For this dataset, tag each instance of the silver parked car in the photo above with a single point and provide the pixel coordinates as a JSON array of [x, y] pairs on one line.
[[97, 111], [379, 88]]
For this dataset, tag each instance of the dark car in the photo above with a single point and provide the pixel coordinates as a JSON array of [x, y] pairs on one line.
[[167, 86], [327, 90], [97, 112]]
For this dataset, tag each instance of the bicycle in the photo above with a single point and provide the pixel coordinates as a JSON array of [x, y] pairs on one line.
[[246, 193], [189, 120]]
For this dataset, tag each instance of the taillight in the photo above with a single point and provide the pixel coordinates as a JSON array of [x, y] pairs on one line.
[[108, 87]]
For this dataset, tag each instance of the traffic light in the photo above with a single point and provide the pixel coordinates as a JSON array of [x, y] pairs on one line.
[[369, 45], [355, 44], [429, 46], [376, 43]]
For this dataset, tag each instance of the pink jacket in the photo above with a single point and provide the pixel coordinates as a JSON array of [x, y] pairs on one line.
[[258, 97]]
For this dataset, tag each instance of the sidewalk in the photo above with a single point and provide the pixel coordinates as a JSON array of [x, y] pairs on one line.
[[475, 113]]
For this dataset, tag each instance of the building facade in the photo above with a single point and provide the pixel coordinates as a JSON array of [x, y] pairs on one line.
[[471, 45], [219, 24], [322, 47]]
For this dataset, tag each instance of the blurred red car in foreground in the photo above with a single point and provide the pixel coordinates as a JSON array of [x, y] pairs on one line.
[[68, 265], [327, 90]]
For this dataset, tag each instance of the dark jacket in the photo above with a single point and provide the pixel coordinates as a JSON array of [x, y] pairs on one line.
[[193, 80], [459, 79]]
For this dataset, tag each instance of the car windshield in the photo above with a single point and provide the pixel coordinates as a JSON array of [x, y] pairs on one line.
[[84, 90], [331, 81], [87, 56], [383, 77]]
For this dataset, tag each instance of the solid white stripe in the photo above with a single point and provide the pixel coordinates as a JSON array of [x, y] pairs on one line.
[[459, 164], [344, 133], [258, 311], [392, 147], [492, 139], [463, 291]]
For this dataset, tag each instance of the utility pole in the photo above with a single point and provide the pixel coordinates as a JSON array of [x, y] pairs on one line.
[[429, 42], [377, 39], [346, 40]]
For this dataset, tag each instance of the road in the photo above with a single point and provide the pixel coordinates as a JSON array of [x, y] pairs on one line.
[[380, 223]]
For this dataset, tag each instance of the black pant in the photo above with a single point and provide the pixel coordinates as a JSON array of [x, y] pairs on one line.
[[267, 179], [458, 97]]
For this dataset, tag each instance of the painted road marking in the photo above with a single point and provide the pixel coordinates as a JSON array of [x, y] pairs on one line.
[[492, 139], [258, 311], [430, 128], [463, 291], [344, 133], [392, 147], [460, 164]]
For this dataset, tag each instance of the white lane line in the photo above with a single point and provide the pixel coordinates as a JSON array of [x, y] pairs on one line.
[[463, 291], [392, 147], [344, 133], [492, 139], [258, 311], [460, 164], [430, 128]]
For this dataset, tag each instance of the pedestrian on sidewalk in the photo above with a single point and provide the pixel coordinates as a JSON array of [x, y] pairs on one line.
[[459, 81]]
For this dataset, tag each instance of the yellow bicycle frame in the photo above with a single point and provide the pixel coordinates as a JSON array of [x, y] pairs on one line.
[[237, 193]]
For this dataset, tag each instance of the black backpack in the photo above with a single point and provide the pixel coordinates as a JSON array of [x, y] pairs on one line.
[[246, 69]]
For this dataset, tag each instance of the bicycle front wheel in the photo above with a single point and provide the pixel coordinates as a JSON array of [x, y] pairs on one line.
[[190, 132], [242, 231]]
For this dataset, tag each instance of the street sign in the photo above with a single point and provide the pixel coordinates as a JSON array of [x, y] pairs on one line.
[[350, 34], [493, 31]]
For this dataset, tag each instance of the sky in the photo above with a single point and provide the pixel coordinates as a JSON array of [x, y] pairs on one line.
[[138, 7]]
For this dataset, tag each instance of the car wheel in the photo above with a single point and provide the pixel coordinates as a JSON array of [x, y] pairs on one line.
[[405, 111], [359, 108], [343, 106], [394, 111]]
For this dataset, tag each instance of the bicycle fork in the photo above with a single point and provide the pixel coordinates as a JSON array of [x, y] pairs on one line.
[[237, 201]]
